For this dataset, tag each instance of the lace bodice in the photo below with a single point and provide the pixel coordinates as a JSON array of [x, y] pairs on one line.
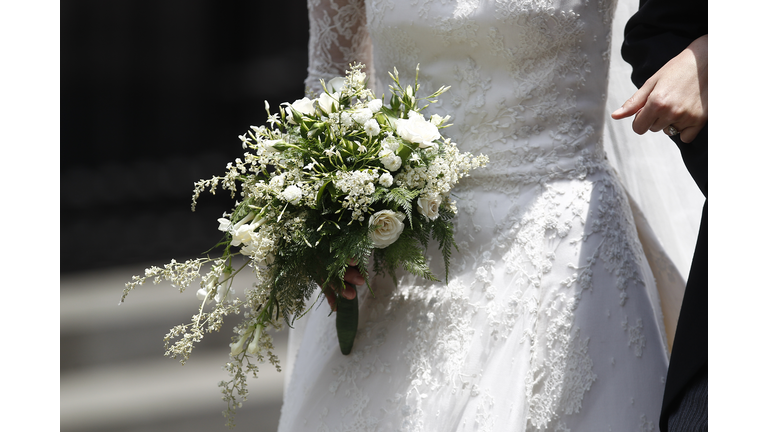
[[528, 79]]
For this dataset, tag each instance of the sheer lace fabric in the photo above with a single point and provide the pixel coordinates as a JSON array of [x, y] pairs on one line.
[[550, 319]]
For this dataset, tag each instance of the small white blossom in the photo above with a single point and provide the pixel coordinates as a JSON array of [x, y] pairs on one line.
[[386, 179], [437, 120], [390, 160], [362, 115], [346, 120], [277, 181], [372, 127], [375, 105], [292, 194]]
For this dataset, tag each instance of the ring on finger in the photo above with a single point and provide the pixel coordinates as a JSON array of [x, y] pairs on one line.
[[671, 130]]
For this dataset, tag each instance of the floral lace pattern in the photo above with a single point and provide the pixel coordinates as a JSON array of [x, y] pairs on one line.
[[546, 321]]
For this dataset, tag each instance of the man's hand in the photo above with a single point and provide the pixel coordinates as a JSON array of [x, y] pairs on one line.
[[675, 96]]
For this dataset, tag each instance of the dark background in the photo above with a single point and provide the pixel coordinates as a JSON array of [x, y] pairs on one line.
[[153, 97]]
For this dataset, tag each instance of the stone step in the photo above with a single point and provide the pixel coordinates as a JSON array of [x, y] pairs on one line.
[[114, 376]]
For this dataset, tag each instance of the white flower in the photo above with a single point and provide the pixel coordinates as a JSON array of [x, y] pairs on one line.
[[202, 293], [224, 224], [346, 119], [363, 115], [292, 194], [417, 130], [267, 146], [303, 106], [335, 85], [242, 234], [327, 102], [375, 105], [259, 249], [253, 347], [277, 181], [223, 293], [237, 348], [390, 160], [438, 120], [372, 127], [389, 226], [429, 206], [386, 179]]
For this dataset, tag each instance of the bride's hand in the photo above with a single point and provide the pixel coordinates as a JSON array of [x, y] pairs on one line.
[[676, 95], [351, 277]]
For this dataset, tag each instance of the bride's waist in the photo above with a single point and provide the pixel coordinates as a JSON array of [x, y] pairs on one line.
[[524, 168]]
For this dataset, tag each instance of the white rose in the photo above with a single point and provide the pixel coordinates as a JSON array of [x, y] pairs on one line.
[[328, 101], [417, 130], [372, 127], [429, 206], [375, 105], [292, 194], [389, 227]]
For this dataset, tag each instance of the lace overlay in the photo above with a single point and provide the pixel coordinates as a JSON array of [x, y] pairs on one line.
[[548, 320]]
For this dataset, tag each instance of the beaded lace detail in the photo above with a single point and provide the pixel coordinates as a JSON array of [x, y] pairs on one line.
[[545, 314]]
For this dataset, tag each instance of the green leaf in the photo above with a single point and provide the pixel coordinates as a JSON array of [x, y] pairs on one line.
[[400, 197]]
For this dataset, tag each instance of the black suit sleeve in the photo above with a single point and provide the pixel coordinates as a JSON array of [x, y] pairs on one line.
[[660, 30]]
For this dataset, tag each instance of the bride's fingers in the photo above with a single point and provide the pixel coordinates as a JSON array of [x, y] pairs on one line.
[[349, 291], [353, 276], [330, 296]]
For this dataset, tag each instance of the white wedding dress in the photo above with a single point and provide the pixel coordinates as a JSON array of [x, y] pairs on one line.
[[550, 319]]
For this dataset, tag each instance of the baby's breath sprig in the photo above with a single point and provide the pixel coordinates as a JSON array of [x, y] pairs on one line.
[[342, 178]]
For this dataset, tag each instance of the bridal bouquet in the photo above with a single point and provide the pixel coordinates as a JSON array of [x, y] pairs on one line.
[[338, 180]]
